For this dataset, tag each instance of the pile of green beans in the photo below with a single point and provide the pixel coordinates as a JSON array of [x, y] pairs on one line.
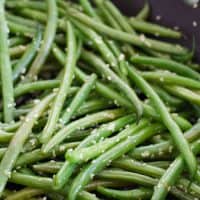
[[95, 105]]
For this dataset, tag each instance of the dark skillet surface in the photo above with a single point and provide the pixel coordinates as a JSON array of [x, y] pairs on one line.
[[173, 13]]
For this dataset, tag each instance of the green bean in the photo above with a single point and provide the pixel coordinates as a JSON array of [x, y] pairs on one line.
[[25, 88], [48, 167], [5, 68], [154, 29], [110, 93], [118, 16], [21, 20], [18, 140], [144, 12], [64, 86], [88, 8], [91, 106], [102, 132], [144, 180], [164, 77], [37, 155], [20, 29], [174, 129], [167, 98], [157, 150], [30, 4], [39, 182], [126, 37], [184, 93], [111, 76], [81, 123], [27, 57], [91, 169], [99, 43], [171, 174], [107, 15], [87, 153], [80, 97], [49, 36], [26, 193], [141, 193], [167, 64]]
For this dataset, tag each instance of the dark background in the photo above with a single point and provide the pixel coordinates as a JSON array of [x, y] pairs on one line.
[[173, 13]]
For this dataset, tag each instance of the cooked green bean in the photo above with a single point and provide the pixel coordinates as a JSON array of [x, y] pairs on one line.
[[49, 35], [144, 12], [18, 140], [164, 77], [141, 193], [78, 99], [81, 123], [22, 64], [111, 76], [154, 29], [174, 129], [5, 68], [168, 65], [91, 169], [64, 86], [103, 131], [126, 37], [184, 93]]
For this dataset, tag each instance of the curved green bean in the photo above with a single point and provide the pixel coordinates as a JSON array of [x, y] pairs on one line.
[[174, 129], [49, 36], [64, 86]]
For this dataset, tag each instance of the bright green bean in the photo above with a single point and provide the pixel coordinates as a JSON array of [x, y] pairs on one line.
[[156, 30], [27, 57], [5, 68], [80, 97], [167, 64], [49, 36], [174, 129], [19, 139], [64, 86], [111, 76]]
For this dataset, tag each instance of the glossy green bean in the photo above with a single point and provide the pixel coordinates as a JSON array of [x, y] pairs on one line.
[[141, 193], [111, 76], [49, 36], [25, 60], [26, 193], [174, 129], [5, 68], [126, 37], [170, 176], [98, 164], [18, 140], [184, 93], [103, 131], [87, 153], [79, 98], [144, 12], [64, 86], [82, 123], [150, 28], [118, 99], [165, 77], [167, 64]]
